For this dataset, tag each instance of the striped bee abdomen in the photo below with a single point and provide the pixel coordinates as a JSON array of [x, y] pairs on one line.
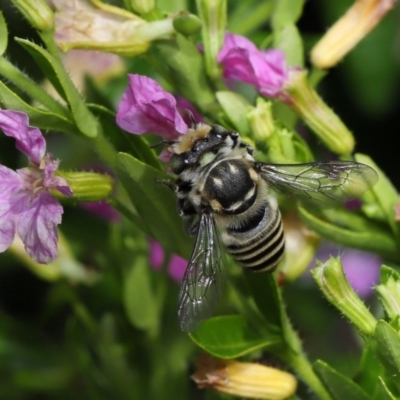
[[259, 244]]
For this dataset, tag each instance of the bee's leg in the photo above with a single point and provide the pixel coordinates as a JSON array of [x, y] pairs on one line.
[[168, 183]]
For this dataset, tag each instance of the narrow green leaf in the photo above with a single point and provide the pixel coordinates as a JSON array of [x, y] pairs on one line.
[[385, 393], [42, 119], [234, 104], [264, 290], [369, 370], [289, 40], [247, 16], [3, 34], [286, 12], [154, 202], [58, 76], [371, 238], [184, 64], [139, 147], [388, 348], [230, 336], [139, 297], [384, 194], [339, 386]]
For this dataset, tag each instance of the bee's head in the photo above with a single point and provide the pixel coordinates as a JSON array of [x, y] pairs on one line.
[[200, 145]]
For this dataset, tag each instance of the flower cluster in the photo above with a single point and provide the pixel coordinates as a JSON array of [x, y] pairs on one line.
[[27, 206]]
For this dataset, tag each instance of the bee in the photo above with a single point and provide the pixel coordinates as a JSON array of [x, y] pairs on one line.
[[225, 195]]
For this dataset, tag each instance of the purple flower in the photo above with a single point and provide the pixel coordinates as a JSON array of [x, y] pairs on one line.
[[147, 108], [26, 205], [242, 61], [176, 266]]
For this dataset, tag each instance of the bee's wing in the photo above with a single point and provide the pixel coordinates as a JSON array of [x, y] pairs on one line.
[[203, 280], [324, 184]]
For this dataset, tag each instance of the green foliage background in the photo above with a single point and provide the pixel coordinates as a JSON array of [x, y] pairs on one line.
[[118, 337]]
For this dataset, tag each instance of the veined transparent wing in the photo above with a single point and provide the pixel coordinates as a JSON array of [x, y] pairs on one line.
[[203, 280], [324, 184]]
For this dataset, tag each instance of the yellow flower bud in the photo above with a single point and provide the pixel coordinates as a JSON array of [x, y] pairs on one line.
[[300, 246], [358, 21], [261, 120], [244, 379]]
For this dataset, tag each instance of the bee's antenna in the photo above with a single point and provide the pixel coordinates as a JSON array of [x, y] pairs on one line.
[[191, 117], [163, 142]]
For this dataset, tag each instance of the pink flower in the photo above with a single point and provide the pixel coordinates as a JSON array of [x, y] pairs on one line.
[[26, 205], [177, 265], [147, 108], [242, 61]]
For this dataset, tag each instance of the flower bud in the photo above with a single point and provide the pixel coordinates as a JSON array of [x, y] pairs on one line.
[[389, 291], [332, 281], [243, 379], [261, 120], [358, 21], [316, 114], [37, 12], [87, 186], [213, 15], [300, 246], [187, 24]]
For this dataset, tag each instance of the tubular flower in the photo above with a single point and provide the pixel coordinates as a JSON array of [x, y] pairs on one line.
[[268, 73], [146, 107], [242, 61], [345, 34], [244, 379], [91, 24], [26, 204]]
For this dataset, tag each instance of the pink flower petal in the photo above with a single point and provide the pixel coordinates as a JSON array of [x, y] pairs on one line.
[[37, 227], [242, 61], [54, 182], [29, 139], [147, 108], [11, 186], [177, 267], [156, 254]]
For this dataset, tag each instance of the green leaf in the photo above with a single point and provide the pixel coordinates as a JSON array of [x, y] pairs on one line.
[[384, 194], [388, 349], [184, 64], [339, 386], [139, 297], [351, 230], [247, 16], [58, 76], [138, 146], [42, 119], [154, 202], [369, 370], [230, 336], [289, 40], [286, 12], [3, 34], [385, 393], [27, 85], [264, 290], [234, 106]]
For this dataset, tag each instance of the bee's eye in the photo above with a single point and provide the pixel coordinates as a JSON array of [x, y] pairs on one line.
[[177, 163]]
